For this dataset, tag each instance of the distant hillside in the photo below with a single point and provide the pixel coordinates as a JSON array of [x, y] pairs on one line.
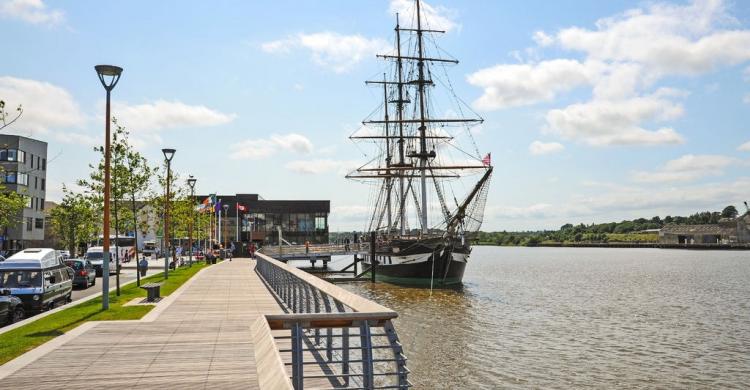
[[625, 231]]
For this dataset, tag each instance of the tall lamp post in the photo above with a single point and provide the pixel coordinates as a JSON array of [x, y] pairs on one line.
[[168, 154], [191, 182], [226, 208], [109, 75]]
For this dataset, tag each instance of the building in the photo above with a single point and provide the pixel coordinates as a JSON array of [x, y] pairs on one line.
[[727, 231], [23, 166], [299, 220]]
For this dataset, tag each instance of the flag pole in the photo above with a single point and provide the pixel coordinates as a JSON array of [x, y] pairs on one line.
[[237, 237]]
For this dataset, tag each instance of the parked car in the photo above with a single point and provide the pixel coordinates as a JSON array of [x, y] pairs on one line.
[[84, 274], [2, 258], [38, 278], [65, 254], [11, 308], [95, 255]]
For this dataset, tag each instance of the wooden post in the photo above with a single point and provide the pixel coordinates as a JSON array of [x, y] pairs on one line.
[[373, 260], [355, 265]]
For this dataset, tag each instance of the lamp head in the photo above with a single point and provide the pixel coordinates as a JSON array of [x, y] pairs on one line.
[[226, 207], [168, 154], [191, 182], [109, 75]]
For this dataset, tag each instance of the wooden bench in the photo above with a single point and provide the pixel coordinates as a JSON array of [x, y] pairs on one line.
[[153, 290]]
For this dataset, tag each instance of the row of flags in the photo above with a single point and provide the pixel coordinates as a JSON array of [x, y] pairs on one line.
[[213, 205]]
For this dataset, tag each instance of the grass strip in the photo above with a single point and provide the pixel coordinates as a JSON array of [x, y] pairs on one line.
[[21, 340]]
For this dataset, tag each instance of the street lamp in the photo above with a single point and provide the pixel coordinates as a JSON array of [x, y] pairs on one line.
[[109, 75], [168, 154], [191, 182], [226, 207]]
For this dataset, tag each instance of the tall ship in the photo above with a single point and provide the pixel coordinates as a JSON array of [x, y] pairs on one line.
[[429, 181]]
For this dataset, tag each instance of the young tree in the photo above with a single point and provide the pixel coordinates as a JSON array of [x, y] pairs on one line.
[[11, 203], [140, 176], [74, 220]]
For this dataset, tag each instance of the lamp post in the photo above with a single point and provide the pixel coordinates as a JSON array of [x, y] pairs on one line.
[[168, 154], [109, 75], [191, 182], [226, 208]]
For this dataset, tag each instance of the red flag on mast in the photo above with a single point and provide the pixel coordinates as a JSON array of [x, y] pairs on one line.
[[487, 160], [241, 207]]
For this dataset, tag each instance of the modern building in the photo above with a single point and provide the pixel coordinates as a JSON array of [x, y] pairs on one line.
[[299, 220], [727, 231], [23, 169]]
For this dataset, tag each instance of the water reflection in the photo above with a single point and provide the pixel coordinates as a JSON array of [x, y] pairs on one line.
[[560, 317]]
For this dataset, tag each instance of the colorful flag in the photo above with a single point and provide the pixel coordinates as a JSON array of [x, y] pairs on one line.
[[241, 207], [217, 206], [487, 160]]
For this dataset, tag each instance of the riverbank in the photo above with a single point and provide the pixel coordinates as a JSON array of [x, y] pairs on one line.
[[628, 245]]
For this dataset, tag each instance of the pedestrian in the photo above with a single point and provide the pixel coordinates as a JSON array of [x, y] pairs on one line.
[[307, 246], [252, 250], [346, 244]]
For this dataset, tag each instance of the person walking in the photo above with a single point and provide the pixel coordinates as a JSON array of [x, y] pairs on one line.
[[307, 246], [252, 250]]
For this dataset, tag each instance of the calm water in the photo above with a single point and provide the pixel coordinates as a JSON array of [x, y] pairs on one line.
[[571, 318]]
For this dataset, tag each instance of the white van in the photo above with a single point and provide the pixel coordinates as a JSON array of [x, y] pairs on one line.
[[95, 255], [38, 277]]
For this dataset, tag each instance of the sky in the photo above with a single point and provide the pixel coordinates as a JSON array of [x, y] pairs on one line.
[[594, 111]]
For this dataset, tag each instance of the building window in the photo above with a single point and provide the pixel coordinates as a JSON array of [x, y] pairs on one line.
[[44, 185], [39, 223], [38, 164], [36, 181], [44, 164], [28, 201], [320, 223], [29, 223], [9, 178], [22, 179], [12, 155], [42, 204], [21, 157], [31, 160]]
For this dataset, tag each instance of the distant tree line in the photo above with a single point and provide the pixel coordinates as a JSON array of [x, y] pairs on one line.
[[625, 231]]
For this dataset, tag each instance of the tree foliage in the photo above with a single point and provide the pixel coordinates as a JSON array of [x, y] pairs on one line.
[[75, 220]]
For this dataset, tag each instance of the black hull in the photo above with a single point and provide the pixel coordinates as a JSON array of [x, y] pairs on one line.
[[440, 268]]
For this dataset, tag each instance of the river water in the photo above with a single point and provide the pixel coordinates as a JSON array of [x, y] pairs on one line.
[[579, 318]]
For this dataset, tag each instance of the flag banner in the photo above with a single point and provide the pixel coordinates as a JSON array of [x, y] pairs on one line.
[[217, 206], [241, 207], [206, 201], [487, 160]]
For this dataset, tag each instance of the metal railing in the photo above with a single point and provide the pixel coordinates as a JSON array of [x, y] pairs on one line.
[[312, 250], [336, 339]]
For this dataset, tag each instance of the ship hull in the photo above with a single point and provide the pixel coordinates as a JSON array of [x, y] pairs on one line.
[[433, 266]]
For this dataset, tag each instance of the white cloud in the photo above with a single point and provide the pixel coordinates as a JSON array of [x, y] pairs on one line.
[[744, 147], [520, 84], [625, 56], [329, 49], [542, 39], [538, 147], [605, 122], [163, 114], [258, 149], [45, 106], [70, 137], [31, 11], [433, 17], [318, 166], [686, 168]]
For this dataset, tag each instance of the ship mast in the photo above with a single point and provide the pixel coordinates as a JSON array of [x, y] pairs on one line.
[[400, 110], [422, 125], [388, 179]]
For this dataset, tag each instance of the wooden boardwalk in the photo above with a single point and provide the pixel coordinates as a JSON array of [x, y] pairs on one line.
[[198, 338]]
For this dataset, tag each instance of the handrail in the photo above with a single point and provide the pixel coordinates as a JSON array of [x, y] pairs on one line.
[[332, 329]]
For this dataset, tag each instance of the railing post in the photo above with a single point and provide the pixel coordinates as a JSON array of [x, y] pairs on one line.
[[298, 368], [398, 354], [345, 355], [367, 365]]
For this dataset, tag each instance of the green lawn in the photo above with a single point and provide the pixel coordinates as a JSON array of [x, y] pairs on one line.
[[18, 341]]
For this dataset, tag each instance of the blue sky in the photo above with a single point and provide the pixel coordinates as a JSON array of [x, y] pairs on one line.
[[594, 111]]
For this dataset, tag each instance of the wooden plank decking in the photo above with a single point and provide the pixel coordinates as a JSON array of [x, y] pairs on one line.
[[197, 339]]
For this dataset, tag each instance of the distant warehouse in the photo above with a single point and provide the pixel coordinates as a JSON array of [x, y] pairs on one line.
[[727, 231]]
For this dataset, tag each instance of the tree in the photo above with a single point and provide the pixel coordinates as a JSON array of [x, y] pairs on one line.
[[74, 220], [11, 202], [729, 212]]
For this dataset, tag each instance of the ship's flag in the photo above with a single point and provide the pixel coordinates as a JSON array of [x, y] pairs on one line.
[[241, 207], [487, 160]]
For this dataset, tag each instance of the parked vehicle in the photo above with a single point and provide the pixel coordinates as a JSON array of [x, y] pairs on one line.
[[11, 308], [95, 255], [65, 254], [84, 272], [2, 258], [38, 278]]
